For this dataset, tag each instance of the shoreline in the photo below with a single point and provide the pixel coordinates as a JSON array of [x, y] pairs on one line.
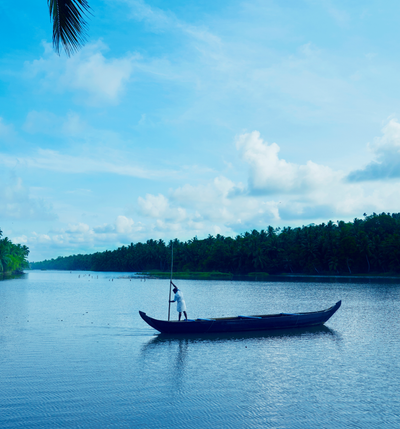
[[9, 275], [274, 277], [256, 276]]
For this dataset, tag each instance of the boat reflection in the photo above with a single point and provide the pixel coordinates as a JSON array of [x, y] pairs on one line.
[[177, 355], [242, 336]]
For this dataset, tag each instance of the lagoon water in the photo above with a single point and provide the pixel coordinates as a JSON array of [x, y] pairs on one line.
[[74, 353]]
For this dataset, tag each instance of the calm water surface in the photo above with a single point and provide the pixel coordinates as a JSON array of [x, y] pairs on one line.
[[74, 353]]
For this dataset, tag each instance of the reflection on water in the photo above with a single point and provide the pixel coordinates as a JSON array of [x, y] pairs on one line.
[[9, 276], [75, 353], [242, 336]]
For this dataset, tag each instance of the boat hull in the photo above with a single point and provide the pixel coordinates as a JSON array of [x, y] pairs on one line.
[[242, 323]]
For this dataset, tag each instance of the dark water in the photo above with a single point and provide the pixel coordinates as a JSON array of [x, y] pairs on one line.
[[74, 353]]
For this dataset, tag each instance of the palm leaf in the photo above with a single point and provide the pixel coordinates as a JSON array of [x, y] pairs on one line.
[[69, 25]]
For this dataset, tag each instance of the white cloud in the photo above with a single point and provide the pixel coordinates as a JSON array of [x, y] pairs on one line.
[[201, 196], [104, 229], [62, 163], [192, 210], [153, 206], [80, 228], [386, 153], [158, 207], [390, 141], [23, 239], [270, 174], [81, 237], [279, 194], [88, 71], [124, 225]]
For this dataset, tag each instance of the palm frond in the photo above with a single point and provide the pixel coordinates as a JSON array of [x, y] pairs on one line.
[[69, 25]]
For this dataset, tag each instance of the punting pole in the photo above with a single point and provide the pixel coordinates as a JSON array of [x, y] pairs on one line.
[[170, 281]]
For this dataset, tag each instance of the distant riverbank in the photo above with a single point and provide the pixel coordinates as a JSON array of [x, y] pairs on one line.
[[370, 247], [262, 276], [255, 276]]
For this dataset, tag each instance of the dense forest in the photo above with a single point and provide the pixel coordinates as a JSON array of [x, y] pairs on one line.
[[369, 245], [13, 257]]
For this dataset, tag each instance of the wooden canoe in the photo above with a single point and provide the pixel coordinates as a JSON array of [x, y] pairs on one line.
[[243, 323]]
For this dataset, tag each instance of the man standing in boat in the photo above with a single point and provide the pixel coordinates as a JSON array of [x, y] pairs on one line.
[[178, 298]]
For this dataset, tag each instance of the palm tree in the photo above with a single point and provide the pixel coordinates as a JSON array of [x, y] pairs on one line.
[[69, 24], [5, 260]]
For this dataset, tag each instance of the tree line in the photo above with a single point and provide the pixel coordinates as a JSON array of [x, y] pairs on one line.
[[13, 257], [369, 245]]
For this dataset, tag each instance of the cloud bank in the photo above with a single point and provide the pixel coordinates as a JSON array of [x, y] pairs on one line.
[[275, 192], [269, 174], [386, 151]]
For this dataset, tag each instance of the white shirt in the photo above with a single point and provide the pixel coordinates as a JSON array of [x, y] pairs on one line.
[[181, 305]]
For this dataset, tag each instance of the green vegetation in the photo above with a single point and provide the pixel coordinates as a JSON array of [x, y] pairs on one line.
[[214, 275], [258, 274], [370, 245], [13, 257]]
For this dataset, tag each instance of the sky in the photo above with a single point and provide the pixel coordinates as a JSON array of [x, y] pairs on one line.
[[188, 118]]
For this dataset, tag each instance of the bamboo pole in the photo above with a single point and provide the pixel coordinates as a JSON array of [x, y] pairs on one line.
[[170, 281]]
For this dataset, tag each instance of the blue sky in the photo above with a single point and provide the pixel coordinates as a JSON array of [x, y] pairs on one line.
[[190, 118]]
